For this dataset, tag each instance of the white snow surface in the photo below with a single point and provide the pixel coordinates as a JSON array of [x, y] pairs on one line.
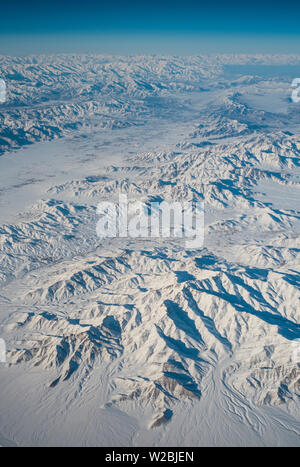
[[141, 342]]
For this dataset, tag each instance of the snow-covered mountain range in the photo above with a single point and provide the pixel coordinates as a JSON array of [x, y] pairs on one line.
[[143, 341]]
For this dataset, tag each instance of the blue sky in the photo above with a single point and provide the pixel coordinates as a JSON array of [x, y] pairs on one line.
[[132, 26]]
